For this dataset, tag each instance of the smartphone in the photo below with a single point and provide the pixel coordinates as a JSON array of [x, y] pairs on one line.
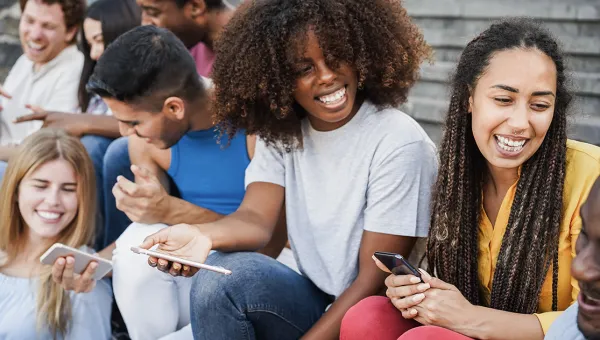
[[397, 264], [171, 258], [82, 259]]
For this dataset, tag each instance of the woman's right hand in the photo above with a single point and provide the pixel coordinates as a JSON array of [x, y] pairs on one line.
[[405, 291], [62, 274], [182, 240]]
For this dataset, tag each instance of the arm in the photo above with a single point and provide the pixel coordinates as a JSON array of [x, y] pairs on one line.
[[370, 281], [100, 125], [491, 324], [6, 151]]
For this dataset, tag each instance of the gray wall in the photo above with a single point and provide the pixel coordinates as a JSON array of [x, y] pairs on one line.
[[448, 25]]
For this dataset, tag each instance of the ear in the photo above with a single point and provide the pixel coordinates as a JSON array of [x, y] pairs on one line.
[[174, 108], [197, 8], [471, 104], [71, 34]]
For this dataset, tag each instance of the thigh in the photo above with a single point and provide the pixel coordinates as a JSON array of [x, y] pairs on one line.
[[374, 317], [96, 147], [262, 299], [147, 298], [432, 333], [116, 163]]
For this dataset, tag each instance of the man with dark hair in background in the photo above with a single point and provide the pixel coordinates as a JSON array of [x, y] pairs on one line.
[[196, 22], [47, 73]]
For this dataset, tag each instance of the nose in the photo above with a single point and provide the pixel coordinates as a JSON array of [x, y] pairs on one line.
[[325, 73], [519, 118], [146, 20], [53, 196], [585, 268], [95, 53], [35, 32]]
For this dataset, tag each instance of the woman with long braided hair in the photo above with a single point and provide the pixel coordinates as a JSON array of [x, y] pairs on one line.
[[505, 208]]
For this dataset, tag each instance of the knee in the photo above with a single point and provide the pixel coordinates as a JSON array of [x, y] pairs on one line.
[[118, 149], [213, 289], [363, 318]]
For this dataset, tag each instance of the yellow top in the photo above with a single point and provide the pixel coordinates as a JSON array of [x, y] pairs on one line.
[[582, 169]]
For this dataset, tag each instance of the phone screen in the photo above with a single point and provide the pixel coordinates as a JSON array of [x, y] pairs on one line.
[[397, 264]]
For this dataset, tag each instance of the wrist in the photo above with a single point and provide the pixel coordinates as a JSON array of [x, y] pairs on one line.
[[478, 325], [168, 207]]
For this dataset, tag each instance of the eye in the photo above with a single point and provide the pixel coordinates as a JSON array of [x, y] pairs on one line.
[[503, 100], [304, 69], [70, 189], [40, 186], [540, 107]]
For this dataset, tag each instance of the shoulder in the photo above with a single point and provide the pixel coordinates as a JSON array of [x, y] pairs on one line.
[[22, 65], [394, 131], [582, 169]]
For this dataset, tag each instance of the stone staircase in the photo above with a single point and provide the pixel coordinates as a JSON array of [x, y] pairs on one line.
[[449, 24], [10, 48]]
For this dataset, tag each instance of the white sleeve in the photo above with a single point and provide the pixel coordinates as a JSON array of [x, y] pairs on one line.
[[399, 192], [91, 313], [267, 165]]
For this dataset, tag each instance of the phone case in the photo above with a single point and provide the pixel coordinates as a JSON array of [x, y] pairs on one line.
[[397, 264], [82, 259]]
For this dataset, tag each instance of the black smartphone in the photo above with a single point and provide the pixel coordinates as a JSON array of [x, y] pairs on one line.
[[397, 264]]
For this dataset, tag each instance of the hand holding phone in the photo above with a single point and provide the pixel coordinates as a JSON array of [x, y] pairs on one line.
[[81, 258], [175, 259], [397, 264]]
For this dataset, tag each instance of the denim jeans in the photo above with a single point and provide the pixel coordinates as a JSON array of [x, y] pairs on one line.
[[262, 299], [116, 163], [96, 147]]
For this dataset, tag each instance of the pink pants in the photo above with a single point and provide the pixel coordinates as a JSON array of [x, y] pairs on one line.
[[376, 318]]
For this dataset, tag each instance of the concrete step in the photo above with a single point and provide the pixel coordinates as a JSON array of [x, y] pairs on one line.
[[580, 45], [586, 84], [586, 129], [467, 9]]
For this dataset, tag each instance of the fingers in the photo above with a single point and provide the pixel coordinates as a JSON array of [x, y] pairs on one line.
[[425, 275], [407, 302], [163, 265], [406, 291], [86, 281], [439, 284], [68, 283], [152, 261], [143, 174], [162, 236], [401, 280], [30, 117], [35, 109], [57, 270], [409, 313], [380, 265], [130, 188], [175, 269]]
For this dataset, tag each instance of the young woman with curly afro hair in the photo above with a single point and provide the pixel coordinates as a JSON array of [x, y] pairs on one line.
[[505, 208], [319, 82]]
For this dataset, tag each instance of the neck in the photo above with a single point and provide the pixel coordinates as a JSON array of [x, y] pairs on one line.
[[201, 114], [217, 21], [501, 179]]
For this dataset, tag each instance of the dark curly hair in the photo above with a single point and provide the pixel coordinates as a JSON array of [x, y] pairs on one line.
[[254, 75], [73, 10], [530, 244]]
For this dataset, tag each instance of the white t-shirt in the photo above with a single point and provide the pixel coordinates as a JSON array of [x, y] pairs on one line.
[[53, 88], [375, 173]]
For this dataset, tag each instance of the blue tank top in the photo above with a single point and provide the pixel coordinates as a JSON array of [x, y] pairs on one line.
[[208, 174]]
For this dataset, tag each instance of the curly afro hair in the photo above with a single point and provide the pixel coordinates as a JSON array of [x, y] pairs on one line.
[[254, 75]]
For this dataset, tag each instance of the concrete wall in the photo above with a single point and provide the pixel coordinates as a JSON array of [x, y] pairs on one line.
[[448, 25]]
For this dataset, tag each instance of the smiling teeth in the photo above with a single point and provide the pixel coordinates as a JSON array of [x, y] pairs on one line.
[[334, 97], [48, 215], [509, 144], [35, 46]]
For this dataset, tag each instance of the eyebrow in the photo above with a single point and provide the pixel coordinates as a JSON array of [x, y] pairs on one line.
[[48, 182], [534, 94], [96, 36]]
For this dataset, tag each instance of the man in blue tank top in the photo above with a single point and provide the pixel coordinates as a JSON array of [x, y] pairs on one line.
[[149, 81]]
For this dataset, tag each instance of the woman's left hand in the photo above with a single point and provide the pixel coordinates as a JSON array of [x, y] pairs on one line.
[[444, 306]]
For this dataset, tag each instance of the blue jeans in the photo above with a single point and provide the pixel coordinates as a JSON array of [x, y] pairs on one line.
[[96, 147], [262, 299], [116, 163]]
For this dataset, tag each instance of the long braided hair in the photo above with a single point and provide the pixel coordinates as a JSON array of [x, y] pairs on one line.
[[530, 245]]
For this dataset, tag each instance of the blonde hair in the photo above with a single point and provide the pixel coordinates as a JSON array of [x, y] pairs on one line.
[[53, 303]]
